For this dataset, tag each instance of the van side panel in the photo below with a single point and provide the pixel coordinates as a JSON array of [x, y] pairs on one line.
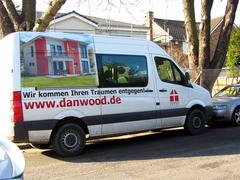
[[9, 80]]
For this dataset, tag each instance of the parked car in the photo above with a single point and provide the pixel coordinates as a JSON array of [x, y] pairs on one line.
[[226, 105], [12, 163]]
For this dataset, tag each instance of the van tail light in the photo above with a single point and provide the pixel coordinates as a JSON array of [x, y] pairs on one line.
[[16, 107]]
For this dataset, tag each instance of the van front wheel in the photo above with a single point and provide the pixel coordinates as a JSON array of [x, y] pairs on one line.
[[69, 140], [195, 122]]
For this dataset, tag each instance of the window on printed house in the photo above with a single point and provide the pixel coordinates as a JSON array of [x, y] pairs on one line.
[[59, 49], [83, 51], [52, 49], [32, 51]]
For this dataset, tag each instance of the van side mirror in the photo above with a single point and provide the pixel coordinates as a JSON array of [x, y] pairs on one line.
[[188, 79], [187, 75]]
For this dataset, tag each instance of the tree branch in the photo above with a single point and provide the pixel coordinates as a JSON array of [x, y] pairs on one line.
[[47, 17], [14, 16], [222, 45], [6, 25]]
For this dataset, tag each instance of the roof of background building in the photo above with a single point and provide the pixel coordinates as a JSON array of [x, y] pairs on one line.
[[98, 21], [177, 28], [215, 22]]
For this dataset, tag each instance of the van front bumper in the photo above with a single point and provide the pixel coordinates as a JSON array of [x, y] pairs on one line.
[[209, 112]]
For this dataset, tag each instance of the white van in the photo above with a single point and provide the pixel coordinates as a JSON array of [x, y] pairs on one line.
[[59, 89]]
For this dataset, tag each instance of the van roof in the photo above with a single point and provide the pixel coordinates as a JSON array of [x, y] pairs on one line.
[[104, 43]]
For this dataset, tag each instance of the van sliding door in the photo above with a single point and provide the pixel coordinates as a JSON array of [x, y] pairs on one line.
[[127, 91]]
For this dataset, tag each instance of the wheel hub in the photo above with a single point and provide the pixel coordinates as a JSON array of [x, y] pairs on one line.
[[197, 122], [70, 140]]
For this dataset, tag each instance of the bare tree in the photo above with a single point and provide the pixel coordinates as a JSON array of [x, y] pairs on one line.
[[192, 35], [204, 38], [11, 20], [201, 57]]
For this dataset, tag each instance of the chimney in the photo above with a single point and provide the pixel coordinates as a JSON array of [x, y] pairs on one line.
[[149, 24]]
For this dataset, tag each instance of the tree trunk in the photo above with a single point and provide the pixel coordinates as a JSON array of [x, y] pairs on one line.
[[191, 31], [48, 15], [28, 14], [204, 39], [222, 45], [6, 26], [12, 12]]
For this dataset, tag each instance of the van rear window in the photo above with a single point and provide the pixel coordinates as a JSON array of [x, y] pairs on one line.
[[122, 70], [57, 60]]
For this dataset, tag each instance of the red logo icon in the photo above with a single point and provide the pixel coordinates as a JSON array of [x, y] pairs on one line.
[[174, 98]]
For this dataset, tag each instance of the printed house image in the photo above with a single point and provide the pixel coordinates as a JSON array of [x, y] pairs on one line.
[[53, 56]]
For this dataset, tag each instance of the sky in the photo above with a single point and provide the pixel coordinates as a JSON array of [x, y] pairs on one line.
[[133, 11]]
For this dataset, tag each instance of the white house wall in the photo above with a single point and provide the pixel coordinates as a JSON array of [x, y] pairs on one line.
[[53, 42], [32, 70], [123, 33], [76, 25], [159, 34], [72, 25]]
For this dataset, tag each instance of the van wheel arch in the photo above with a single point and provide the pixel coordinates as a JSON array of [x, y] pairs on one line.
[[197, 106], [73, 120]]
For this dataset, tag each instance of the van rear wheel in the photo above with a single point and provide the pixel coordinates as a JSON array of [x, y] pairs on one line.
[[195, 122], [69, 140]]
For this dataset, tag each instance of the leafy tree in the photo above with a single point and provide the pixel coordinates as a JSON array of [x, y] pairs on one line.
[[233, 55], [12, 20]]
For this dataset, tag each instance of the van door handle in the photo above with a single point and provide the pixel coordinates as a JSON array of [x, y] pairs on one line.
[[162, 90]]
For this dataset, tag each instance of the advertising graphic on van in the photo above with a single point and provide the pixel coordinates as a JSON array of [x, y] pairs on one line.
[[57, 59], [75, 98]]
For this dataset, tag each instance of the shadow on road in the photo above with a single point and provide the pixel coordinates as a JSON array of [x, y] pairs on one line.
[[167, 144]]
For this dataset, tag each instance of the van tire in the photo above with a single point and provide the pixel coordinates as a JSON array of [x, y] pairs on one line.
[[69, 140], [195, 122]]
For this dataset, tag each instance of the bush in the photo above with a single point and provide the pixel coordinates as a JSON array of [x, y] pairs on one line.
[[233, 54]]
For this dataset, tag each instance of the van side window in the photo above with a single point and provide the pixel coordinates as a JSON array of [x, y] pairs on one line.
[[168, 72], [122, 70]]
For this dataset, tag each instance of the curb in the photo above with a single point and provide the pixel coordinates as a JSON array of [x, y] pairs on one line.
[[23, 146]]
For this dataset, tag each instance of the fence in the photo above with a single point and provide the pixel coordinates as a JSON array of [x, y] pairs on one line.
[[226, 76]]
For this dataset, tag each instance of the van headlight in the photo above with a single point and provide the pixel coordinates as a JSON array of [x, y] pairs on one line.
[[220, 107]]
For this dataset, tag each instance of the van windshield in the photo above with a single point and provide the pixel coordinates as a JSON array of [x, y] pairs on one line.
[[57, 60]]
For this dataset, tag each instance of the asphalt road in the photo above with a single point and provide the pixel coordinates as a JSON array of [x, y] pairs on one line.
[[171, 154]]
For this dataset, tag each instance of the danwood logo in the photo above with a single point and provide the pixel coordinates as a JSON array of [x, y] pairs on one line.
[[174, 97]]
